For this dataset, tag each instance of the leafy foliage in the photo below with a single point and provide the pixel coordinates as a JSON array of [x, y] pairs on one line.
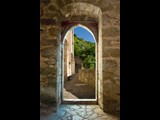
[[86, 51]]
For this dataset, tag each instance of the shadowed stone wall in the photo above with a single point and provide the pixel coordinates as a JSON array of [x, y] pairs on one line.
[[52, 13], [65, 60], [49, 42], [111, 56], [87, 76]]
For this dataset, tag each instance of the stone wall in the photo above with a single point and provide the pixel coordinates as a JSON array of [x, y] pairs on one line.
[[78, 64], [49, 42], [87, 76], [111, 57], [70, 53], [52, 14], [65, 59]]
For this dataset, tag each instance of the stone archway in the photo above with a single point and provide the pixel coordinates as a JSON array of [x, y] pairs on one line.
[[90, 16], [104, 12]]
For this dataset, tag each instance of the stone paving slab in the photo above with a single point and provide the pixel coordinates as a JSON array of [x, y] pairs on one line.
[[79, 112]]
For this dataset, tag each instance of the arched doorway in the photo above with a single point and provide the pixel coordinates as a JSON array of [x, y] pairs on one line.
[[71, 70], [93, 21]]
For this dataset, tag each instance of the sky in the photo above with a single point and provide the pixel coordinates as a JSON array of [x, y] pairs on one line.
[[83, 33]]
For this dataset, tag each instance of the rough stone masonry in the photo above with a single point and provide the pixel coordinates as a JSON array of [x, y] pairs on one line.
[[104, 12]]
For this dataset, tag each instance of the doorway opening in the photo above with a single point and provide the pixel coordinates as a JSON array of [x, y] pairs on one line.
[[79, 65]]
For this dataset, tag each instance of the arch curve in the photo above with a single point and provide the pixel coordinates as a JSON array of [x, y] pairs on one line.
[[78, 25], [81, 9], [90, 26]]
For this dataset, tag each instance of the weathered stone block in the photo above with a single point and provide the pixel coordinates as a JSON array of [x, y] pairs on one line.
[[109, 65], [89, 8], [52, 81], [47, 71], [43, 82], [108, 75], [115, 53], [107, 42], [50, 21], [107, 7], [111, 90], [52, 31], [106, 53], [110, 42], [48, 52], [70, 8], [111, 97], [48, 42], [52, 61], [41, 12], [67, 1], [117, 40], [43, 34], [111, 106], [111, 32], [50, 15], [43, 64], [86, 76], [111, 52], [47, 95], [117, 8], [60, 3], [44, 59], [52, 8], [117, 44], [105, 20]]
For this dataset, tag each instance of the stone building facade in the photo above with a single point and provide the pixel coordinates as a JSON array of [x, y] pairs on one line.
[[69, 60], [102, 17]]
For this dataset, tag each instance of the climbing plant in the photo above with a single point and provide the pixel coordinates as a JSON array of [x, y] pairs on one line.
[[85, 50]]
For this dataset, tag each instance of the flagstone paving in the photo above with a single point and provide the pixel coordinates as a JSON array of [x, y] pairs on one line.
[[79, 112]]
